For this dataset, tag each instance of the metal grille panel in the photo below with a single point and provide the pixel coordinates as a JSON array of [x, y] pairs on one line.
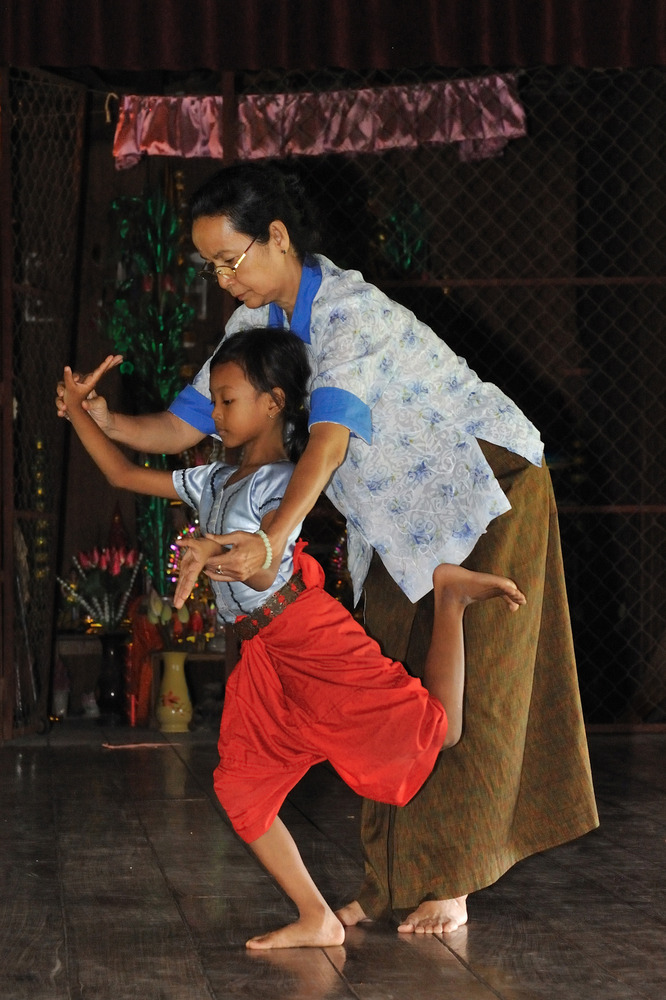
[[546, 269], [46, 154]]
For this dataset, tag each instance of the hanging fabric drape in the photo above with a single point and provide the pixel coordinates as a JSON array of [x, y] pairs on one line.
[[481, 114], [349, 34]]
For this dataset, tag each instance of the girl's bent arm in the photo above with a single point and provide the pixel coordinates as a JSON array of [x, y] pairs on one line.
[[117, 467], [155, 433]]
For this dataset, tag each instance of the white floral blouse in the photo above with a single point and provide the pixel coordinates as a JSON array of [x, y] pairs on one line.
[[415, 485]]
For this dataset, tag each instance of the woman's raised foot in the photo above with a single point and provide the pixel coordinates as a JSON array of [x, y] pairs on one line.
[[464, 586]]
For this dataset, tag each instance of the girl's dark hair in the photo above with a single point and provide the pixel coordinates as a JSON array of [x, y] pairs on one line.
[[274, 359], [252, 195]]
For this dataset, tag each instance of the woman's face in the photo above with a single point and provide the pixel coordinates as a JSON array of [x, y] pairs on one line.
[[262, 276]]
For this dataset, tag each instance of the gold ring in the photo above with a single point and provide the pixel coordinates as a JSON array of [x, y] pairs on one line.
[[218, 569]]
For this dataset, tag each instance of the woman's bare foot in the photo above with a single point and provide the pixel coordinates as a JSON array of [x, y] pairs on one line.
[[465, 586], [307, 932], [351, 914], [436, 916]]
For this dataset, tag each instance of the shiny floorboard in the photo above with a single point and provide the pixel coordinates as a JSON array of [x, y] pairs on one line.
[[122, 879]]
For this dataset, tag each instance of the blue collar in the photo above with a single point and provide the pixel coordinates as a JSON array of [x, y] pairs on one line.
[[308, 288]]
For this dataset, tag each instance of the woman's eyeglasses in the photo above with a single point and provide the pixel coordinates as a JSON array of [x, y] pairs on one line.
[[212, 272]]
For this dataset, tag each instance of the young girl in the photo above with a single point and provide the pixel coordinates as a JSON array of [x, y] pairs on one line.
[[310, 684]]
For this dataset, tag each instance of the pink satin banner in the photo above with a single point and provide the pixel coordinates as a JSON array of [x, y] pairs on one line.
[[481, 114]]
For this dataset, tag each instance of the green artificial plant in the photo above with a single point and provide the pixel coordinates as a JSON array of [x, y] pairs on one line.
[[147, 322]]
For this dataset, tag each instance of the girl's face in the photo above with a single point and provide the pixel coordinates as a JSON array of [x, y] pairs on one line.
[[261, 277], [241, 414]]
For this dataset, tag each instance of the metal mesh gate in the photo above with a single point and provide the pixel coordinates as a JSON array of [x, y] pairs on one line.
[[45, 153], [546, 269]]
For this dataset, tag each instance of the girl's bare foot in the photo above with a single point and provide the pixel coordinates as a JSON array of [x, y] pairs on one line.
[[307, 932], [437, 916], [351, 914], [465, 586]]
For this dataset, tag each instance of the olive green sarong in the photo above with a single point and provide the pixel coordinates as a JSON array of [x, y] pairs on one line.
[[519, 781]]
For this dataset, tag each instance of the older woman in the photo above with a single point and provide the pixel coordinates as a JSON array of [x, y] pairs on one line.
[[428, 464]]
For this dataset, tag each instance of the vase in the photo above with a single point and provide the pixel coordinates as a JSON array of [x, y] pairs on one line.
[[111, 683], [174, 708]]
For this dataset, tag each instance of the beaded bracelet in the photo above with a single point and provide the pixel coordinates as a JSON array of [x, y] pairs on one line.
[[269, 550]]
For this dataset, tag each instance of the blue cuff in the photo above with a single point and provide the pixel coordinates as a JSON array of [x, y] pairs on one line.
[[329, 404], [195, 409]]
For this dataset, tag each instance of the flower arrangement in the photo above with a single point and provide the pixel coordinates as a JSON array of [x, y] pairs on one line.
[[174, 626], [102, 583]]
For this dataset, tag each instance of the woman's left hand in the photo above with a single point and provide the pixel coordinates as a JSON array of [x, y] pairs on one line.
[[244, 556]]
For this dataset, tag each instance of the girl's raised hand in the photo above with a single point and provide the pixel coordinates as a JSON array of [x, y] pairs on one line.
[[95, 405]]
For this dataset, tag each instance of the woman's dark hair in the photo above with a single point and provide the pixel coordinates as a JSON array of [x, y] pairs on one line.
[[252, 195], [274, 359]]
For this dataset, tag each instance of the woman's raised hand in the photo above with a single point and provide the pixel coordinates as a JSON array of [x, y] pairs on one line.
[[90, 401]]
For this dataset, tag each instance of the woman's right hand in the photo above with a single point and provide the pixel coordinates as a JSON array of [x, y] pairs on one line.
[[242, 555], [94, 404]]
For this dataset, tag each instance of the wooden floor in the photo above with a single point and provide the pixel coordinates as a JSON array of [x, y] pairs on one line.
[[121, 879]]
